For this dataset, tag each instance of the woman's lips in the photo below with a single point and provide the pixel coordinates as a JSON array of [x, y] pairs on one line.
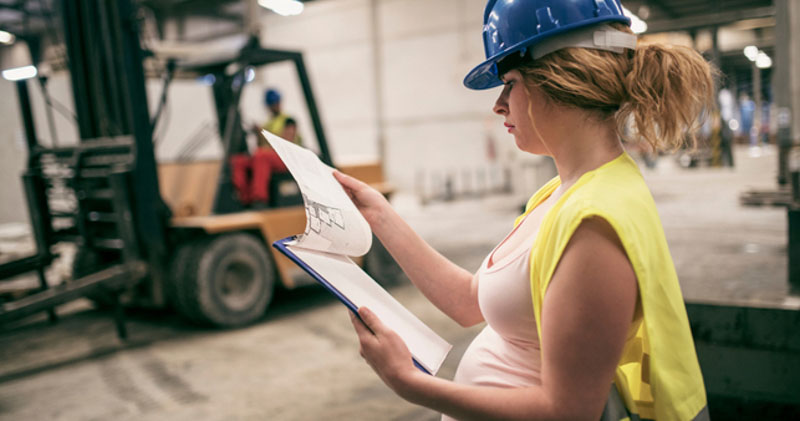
[[508, 126]]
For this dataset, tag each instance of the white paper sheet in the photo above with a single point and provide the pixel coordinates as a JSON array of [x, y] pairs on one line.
[[333, 223], [428, 348]]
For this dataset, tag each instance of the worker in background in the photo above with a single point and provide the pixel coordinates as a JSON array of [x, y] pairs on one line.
[[277, 121], [584, 315], [747, 116], [266, 162], [727, 110], [252, 175]]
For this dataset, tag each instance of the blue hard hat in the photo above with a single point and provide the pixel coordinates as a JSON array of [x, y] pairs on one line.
[[272, 97], [512, 26]]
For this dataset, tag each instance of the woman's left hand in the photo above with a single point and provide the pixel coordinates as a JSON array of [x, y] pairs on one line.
[[384, 351]]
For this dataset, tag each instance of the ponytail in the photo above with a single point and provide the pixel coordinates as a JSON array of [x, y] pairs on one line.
[[670, 89], [663, 90]]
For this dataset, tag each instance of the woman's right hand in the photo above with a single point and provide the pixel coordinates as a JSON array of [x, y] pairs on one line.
[[369, 201]]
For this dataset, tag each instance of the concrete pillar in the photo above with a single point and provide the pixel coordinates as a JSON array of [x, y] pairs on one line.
[[786, 81], [377, 63], [715, 54], [786, 85], [793, 250]]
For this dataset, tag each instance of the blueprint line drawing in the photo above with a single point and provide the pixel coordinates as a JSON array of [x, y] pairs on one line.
[[320, 215], [334, 224]]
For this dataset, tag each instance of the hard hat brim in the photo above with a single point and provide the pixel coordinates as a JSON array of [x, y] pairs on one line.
[[483, 76]]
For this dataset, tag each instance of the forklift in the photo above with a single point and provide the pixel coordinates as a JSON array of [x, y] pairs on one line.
[[151, 234]]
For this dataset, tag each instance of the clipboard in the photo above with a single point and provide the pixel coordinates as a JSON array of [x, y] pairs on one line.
[[283, 247]]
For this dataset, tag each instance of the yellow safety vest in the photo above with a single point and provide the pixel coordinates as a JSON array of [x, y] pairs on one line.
[[275, 126], [658, 377]]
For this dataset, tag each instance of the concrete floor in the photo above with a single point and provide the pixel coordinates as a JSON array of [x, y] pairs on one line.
[[301, 362]]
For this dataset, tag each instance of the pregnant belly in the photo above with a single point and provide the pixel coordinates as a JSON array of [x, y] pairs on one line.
[[491, 360]]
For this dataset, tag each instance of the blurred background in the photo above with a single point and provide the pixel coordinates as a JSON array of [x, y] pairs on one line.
[[137, 279]]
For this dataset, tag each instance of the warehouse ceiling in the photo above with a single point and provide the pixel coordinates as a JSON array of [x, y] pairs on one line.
[[39, 19], [734, 17], [27, 17], [674, 15]]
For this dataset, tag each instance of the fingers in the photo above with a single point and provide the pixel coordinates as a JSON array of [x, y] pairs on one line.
[[367, 323], [348, 181], [384, 350], [352, 187], [341, 176], [361, 328], [372, 322]]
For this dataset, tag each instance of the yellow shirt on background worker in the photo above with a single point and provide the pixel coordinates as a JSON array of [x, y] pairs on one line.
[[278, 126]]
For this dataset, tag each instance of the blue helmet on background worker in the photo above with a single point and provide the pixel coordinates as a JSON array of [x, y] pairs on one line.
[[272, 97], [534, 28]]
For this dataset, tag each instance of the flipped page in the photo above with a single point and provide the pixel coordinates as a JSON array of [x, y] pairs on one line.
[[335, 229], [333, 223]]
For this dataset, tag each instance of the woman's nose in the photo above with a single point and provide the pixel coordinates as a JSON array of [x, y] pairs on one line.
[[501, 105]]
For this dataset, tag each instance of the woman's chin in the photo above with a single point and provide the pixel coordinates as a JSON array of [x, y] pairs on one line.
[[531, 149], [522, 145]]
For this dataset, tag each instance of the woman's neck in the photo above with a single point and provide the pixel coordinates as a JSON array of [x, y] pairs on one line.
[[579, 148]]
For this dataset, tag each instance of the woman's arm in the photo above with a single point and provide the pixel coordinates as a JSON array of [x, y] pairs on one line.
[[586, 315], [448, 286]]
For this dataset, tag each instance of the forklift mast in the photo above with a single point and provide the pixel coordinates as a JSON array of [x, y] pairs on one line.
[[108, 82], [114, 212]]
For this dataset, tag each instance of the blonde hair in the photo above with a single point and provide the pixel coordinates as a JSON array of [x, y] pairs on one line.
[[663, 89]]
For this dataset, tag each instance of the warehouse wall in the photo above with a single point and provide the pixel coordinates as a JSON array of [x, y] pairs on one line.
[[396, 64], [432, 123]]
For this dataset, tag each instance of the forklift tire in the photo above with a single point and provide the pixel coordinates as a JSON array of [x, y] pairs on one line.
[[227, 281], [381, 266], [179, 269]]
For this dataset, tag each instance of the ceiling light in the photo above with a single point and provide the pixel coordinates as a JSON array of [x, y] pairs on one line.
[[6, 37], [638, 26], [283, 7], [19, 73], [751, 52], [763, 61]]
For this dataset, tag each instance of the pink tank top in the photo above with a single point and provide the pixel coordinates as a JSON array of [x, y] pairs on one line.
[[506, 352]]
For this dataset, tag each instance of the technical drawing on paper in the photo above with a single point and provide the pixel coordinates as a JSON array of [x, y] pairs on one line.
[[320, 216]]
